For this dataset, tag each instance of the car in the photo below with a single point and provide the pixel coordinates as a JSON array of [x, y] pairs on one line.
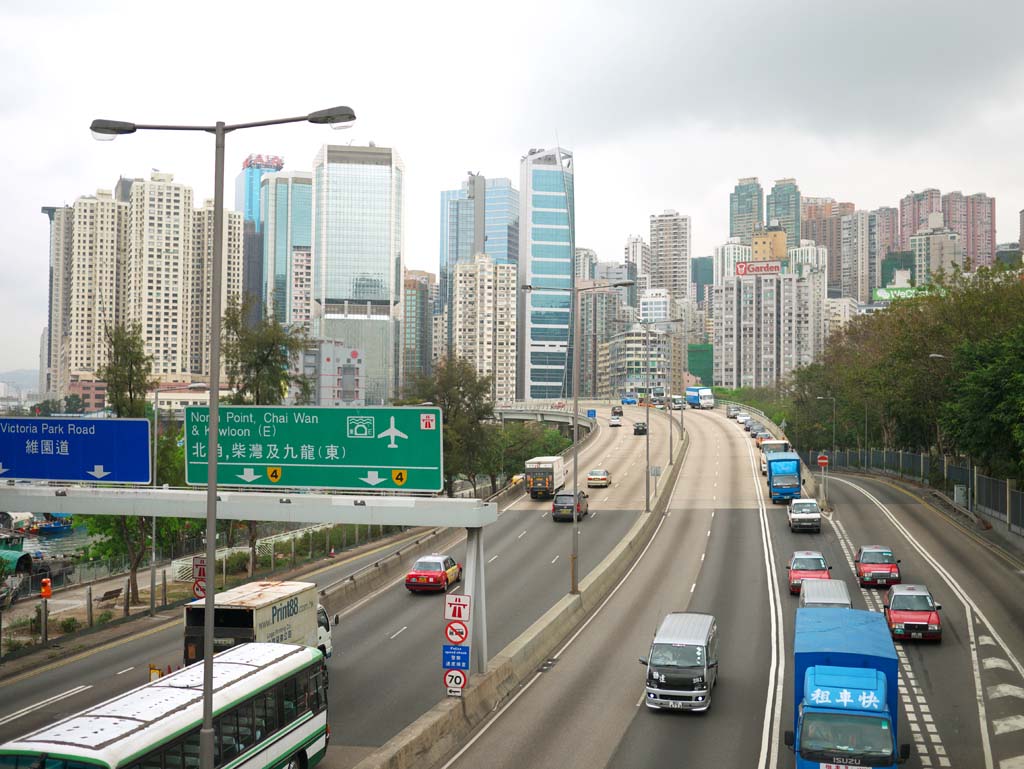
[[750, 424], [804, 515], [616, 411], [876, 566], [639, 428], [564, 504], [912, 613], [599, 478], [615, 421], [806, 564], [763, 436], [628, 400], [433, 573], [731, 412], [743, 417]]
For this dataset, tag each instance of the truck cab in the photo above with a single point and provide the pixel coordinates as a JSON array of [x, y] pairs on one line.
[[784, 476]]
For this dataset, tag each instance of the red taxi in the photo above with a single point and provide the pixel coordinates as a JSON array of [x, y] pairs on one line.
[[912, 614], [876, 566], [433, 573], [806, 564]]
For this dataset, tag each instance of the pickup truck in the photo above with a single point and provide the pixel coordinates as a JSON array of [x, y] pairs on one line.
[[804, 515]]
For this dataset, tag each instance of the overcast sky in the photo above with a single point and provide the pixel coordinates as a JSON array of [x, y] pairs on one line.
[[665, 104]]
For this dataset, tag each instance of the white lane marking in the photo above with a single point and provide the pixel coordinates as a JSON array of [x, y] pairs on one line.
[[455, 589], [399, 632], [969, 606], [492, 559], [709, 532], [42, 704], [1017, 762], [996, 663], [1004, 690], [693, 587], [522, 535], [119, 672], [544, 513], [559, 653], [555, 559], [702, 557], [643, 696], [1008, 724], [592, 516], [986, 640]]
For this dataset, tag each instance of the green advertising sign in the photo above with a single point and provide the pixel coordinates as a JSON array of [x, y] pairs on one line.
[[312, 447], [888, 294]]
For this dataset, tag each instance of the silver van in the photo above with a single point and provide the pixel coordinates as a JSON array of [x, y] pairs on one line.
[[682, 667], [824, 594]]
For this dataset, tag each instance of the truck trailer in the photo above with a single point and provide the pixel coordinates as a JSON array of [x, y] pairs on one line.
[[845, 691], [266, 612]]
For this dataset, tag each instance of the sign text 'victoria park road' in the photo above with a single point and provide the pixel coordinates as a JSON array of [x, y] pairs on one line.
[[337, 448]]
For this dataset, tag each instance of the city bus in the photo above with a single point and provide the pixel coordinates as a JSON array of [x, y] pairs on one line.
[[269, 705]]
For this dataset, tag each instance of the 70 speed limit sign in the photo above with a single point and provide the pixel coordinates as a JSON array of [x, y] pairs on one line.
[[454, 682]]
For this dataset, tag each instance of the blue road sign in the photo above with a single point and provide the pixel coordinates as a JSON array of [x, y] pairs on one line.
[[454, 657], [591, 413], [86, 450]]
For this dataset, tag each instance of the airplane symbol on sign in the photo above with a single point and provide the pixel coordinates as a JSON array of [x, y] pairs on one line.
[[392, 433]]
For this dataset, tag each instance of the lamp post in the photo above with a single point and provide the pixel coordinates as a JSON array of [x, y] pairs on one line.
[[574, 291], [107, 130], [833, 399], [971, 490]]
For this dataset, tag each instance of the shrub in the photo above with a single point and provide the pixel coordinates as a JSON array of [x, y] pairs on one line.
[[69, 625], [238, 563], [105, 616]]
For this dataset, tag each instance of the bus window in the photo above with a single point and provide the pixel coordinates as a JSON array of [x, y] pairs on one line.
[[191, 749], [151, 761], [266, 713], [288, 702], [225, 730], [173, 758], [245, 738], [302, 692], [54, 763]]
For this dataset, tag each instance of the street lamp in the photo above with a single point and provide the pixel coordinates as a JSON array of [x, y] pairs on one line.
[[971, 490], [575, 291], [833, 399], [106, 130]]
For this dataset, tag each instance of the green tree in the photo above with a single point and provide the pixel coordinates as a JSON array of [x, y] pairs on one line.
[[261, 360], [128, 370], [170, 456], [465, 401], [46, 408], [73, 404]]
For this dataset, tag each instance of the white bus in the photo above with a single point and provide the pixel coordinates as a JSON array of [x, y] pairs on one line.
[[269, 703]]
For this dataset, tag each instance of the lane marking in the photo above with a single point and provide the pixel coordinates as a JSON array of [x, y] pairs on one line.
[[555, 558], [492, 559], [522, 535], [119, 672], [1008, 724], [702, 557], [43, 703], [399, 632], [693, 587]]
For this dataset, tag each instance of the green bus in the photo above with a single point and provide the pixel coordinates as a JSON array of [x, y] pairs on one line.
[[270, 712]]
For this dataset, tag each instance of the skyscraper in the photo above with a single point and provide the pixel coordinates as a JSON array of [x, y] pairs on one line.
[[914, 210], [769, 243], [973, 217], [883, 239], [417, 325], [784, 205], [638, 252], [484, 324], [286, 215], [247, 202], [198, 307], [825, 229], [855, 257], [670, 253], [702, 271], [726, 256], [546, 254], [586, 261], [358, 247], [936, 248], [746, 209]]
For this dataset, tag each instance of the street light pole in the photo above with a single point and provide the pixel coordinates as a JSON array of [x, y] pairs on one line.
[[106, 130], [152, 556], [832, 458]]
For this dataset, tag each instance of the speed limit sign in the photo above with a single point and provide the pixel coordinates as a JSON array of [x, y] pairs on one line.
[[454, 682]]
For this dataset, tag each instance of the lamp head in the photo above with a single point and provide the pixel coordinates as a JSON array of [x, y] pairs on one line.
[[108, 130], [335, 117]]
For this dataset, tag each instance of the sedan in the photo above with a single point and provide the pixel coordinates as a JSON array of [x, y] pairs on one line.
[[876, 566], [565, 505], [806, 564], [912, 614], [433, 573], [639, 428], [615, 421], [763, 436], [599, 478]]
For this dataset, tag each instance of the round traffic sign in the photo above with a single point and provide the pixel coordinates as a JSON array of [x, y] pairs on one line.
[[822, 460], [455, 679], [456, 631], [199, 588]]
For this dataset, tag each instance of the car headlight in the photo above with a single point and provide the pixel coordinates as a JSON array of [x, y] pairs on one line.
[[933, 627]]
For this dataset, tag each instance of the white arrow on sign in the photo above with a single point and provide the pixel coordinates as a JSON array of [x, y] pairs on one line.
[[373, 478], [248, 475], [97, 472]]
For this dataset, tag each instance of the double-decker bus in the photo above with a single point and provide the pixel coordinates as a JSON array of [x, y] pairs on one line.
[[269, 705]]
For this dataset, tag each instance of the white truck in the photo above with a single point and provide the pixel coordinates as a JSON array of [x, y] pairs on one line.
[[267, 612], [804, 515], [544, 476], [706, 396]]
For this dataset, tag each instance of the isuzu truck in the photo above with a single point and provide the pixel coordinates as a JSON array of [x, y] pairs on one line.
[[783, 476], [845, 691]]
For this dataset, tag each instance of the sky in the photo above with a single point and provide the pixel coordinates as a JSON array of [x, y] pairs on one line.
[[664, 103]]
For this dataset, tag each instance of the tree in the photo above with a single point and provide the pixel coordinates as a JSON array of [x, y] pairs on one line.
[[128, 370], [170, 457], [465, 401], [46, 408], [73, 404], [261, 360]]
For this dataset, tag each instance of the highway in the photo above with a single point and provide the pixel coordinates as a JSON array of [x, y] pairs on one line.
[[722, 548], [386, 669]]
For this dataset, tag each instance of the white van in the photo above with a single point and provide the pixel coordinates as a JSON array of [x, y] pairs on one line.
[[824, 594]]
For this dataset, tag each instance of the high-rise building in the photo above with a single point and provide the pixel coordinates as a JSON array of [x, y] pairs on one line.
[[702, 270], [769, 244], [670, 253], [600, 313], [784, 206], [936, 249], [854, 256], [914, 210], [826, 229], [247, 202], [586, 261], [727, 255], [484, 326], [640, 359], [61, 234], [655, 305], [417, 325], [439, 338], [973, 218], [286, 216], [746, 209], [638, 253], [546, 253], [883, 239], [808, 255], [620, 272], [358, 248], [814, 208]]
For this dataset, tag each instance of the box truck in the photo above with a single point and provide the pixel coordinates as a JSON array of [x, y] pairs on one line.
[[544, 476]]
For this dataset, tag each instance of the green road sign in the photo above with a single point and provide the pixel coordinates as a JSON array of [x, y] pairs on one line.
[[335, 448]]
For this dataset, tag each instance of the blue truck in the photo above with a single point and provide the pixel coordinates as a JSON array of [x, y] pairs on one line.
[[845, 691], [693, 397], [784, 482]]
